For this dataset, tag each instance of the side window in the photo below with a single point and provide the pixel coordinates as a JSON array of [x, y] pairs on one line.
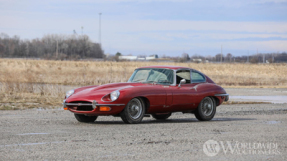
[[197, 77], [183, 74]]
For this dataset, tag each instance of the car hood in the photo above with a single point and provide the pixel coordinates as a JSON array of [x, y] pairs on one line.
[[92, 92]]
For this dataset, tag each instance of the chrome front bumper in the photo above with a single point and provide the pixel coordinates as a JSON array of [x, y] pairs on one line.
[[94, 104]]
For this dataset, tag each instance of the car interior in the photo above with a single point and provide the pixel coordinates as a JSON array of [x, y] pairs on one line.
[[183, 74]]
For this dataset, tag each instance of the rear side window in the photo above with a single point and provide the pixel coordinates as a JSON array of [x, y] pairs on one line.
[[197, 77]]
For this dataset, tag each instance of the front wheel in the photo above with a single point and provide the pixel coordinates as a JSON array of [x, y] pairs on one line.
[[206, 109], [84, 118], [161, 116], [134, 111]]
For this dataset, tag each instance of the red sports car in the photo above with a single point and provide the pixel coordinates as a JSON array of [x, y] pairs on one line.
[[153, 90]]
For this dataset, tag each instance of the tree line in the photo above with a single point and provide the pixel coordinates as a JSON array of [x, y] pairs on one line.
[[254, 58], [229, 58], [50, 47]]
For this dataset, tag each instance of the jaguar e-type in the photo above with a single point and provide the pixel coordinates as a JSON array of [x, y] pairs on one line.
[[158, 91]]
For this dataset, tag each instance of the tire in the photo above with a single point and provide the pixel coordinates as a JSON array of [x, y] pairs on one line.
[[206, 109], [133, 112], [161, 116], [84, 118]]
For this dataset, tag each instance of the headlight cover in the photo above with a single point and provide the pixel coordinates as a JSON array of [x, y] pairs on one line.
[[114, 95], [69, 93]]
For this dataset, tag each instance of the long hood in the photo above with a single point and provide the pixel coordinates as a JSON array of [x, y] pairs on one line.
[[97, 92]]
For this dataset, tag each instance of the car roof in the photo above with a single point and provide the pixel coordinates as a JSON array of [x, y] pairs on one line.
[[165, 67]]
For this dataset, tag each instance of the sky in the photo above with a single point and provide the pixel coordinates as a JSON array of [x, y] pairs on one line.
[[163, 27]]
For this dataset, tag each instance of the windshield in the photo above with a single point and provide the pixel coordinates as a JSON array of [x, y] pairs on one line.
[[156, 75]]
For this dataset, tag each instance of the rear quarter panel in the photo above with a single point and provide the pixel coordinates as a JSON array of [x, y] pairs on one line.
[[208, 90]]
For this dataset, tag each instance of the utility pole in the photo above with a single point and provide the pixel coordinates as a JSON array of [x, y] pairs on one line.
[[248, 57], [100, 28], [82, 29], [221, 54], [258, 58], [57, 53]]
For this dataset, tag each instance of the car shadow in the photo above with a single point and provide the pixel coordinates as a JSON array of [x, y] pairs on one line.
[[182, 120]]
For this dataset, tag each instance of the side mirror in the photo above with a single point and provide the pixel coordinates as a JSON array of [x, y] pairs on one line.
[[183, 81]]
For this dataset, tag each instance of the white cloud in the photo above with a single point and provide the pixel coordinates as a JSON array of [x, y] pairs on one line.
[[130, 31]]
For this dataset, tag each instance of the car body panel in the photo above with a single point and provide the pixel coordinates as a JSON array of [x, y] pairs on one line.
[[158, 98]]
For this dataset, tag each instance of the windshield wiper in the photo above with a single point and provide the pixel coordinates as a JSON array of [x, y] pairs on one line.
[[165, 81], [154, 82], [138, 80]]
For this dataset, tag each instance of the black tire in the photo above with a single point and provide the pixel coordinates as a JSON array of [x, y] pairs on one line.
[[134, 111], [161, 116], [84, 118], [206, 109]]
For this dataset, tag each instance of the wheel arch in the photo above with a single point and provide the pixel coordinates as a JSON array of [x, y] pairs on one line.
[[216, 100], [145, 101]]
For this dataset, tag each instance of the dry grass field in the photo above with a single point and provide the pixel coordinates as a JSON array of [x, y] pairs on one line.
[[33, 82]]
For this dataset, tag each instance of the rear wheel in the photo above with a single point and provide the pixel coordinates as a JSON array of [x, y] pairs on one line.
[[134, 111], [84, 118], [206, 109], [161, 116]]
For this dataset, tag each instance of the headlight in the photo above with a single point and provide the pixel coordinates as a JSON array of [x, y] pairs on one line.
[[69, 93], [114, 95]]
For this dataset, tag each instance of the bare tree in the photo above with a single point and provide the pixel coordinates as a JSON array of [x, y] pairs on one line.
[[50, 47], [229, 57]]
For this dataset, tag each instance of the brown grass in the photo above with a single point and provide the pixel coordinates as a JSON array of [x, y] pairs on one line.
[[36, 81], [91, 72]]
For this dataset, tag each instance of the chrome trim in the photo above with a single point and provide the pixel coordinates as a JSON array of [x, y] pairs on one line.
[[94, 104], [90, 104], [64, 103], [110, 97], [70, 94], [105, 96], [195, 88], [221, 94], [174, 78], [78, 104], [110, 104]]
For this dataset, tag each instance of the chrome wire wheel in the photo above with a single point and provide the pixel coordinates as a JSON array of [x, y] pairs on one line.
[[206, 109], [135, 109], [207, 106]]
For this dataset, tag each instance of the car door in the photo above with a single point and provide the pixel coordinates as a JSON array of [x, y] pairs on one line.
[[183, 96], [161, 95]]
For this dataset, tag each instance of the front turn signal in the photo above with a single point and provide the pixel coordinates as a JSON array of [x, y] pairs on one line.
[[105, 108]]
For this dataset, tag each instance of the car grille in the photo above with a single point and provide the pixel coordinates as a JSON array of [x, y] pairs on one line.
[[81, 107]]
